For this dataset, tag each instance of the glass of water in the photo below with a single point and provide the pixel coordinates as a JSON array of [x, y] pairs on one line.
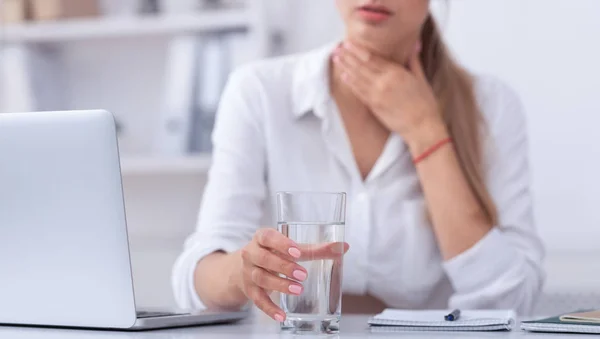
[[316, 222]]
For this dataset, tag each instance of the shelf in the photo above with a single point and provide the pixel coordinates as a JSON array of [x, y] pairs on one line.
[[118, 27], [196, 164]]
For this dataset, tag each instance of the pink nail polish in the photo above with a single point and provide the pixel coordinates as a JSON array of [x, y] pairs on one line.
[[295, 289], [299, 275], [278, 317], [294, 252]]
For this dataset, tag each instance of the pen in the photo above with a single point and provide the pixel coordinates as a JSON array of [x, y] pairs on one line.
[[454, 315]]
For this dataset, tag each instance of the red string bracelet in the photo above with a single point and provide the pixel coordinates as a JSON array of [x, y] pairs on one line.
[[431, 150]]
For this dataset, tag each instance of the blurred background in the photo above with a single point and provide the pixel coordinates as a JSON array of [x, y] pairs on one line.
[[160, 66]]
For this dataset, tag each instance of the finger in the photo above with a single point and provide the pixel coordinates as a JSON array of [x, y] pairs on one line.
[[264, 303], [351, 64], [415, 65], [359, 86], [271, 239], [365, 56], [272, 262], [351, 60], [269, 281], [361, 53], [333, 250]]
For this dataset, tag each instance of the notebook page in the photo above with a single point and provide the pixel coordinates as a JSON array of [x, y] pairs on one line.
[[555, 328], [436, 318], [387, 329]]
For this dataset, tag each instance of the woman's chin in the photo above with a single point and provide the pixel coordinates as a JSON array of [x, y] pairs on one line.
[[372, 42], [379, 41], [371, 35]]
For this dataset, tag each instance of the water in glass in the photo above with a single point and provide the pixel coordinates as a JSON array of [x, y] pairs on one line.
[[318, 308]]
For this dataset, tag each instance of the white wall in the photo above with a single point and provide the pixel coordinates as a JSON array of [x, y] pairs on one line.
[[161, 212], [310, 24], [128, 81]]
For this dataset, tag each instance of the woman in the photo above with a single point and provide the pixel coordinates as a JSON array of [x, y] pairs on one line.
[[434, 162]]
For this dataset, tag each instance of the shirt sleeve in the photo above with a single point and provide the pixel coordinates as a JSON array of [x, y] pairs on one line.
[[232, 205], [503, 270]]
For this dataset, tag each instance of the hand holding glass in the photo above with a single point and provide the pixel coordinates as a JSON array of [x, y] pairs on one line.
[[316, 222], [303, 261]]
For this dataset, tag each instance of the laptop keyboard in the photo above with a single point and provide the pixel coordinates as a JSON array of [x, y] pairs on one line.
[[151, 314]]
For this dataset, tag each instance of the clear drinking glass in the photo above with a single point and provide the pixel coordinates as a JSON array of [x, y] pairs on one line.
[[316, 222]]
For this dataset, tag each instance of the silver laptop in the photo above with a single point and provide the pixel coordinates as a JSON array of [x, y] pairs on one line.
[[64, 251]]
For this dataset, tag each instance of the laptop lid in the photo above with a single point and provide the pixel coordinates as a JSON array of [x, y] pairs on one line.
[[64, 253]]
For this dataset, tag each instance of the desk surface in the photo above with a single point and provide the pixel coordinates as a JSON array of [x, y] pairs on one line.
[[352, 326]]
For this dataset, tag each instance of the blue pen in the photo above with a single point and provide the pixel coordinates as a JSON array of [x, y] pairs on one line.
[[454, 315]]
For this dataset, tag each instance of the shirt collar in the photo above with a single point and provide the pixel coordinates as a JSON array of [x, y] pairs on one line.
[[310, 83]]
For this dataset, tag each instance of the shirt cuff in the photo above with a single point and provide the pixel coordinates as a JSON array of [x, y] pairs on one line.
[[481, 264], [184, 272]]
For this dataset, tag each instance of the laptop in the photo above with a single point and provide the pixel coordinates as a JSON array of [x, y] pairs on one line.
[[64, 251]]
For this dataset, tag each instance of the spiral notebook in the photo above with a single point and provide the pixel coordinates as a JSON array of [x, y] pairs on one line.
[[392, 320]]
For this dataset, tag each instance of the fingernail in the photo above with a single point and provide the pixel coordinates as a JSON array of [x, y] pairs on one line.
[[336, 59], [295, 289], [300, 275], [294, 252], [278, 317]]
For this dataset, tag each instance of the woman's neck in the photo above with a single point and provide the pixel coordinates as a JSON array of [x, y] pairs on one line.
[[342, 93], [399, 53]]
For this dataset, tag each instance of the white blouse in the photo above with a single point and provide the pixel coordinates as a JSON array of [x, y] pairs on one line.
[[278, 129]]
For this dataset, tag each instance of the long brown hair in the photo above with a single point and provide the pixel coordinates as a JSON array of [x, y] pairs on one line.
[[454, 88]]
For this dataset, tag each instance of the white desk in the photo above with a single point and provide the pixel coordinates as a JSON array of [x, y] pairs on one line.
[[352, 326]]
